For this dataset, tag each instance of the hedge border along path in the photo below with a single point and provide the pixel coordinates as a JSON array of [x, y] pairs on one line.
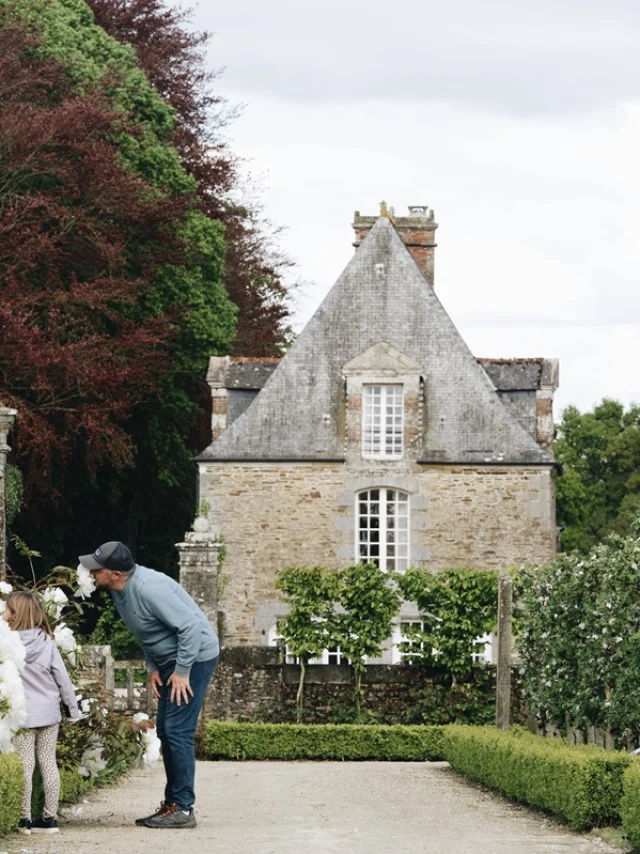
[[630, 804], [581, 785], [11, 784], [228, 740]]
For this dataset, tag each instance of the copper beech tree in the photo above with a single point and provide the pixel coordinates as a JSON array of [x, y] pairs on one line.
[[73, 360]]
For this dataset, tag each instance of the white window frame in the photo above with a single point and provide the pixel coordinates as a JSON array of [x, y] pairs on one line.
[[484, 655], [399, 656], [382, 421], [329, 656], [364, 546]]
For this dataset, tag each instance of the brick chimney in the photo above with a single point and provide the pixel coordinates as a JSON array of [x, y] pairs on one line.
[[417, 231]]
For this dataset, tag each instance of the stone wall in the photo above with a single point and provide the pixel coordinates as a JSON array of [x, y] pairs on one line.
[[295, 514], [252, 683]]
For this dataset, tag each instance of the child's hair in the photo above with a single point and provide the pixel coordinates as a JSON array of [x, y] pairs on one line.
[[27, 612]]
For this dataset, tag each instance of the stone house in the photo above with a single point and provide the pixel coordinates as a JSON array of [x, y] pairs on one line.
[[379, 437]]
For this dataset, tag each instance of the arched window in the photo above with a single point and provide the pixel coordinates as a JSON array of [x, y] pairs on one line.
[[382, 528]]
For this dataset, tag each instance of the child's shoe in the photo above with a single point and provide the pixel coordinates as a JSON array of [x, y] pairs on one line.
[[24, 826], [45, 825]]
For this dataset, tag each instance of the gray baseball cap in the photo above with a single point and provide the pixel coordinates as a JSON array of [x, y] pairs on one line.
[[112, 555]]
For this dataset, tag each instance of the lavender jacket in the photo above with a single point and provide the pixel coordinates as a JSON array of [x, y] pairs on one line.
[[45, 680]]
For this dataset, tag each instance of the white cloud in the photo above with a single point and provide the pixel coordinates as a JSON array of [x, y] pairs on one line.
[[543, 56]]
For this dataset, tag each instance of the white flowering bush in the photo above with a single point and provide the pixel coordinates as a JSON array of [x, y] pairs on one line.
[[579, 638], [13, 710], [102, 744]]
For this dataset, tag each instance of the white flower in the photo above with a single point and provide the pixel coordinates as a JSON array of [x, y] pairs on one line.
[[11, 694], [86, 583], [11, 648], [5, 588], [65, 641], [92, 762], [55, 599], [139, 717], [151, 742]]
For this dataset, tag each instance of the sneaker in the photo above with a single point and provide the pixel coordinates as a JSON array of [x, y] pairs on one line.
[[24, 826], [45, 825], [172, 818], [162, 809]]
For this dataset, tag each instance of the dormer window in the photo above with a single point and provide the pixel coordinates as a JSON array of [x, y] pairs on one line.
[[382, 421]]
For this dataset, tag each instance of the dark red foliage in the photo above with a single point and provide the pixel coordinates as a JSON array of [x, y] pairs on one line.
[[79, 237], [173, 58]]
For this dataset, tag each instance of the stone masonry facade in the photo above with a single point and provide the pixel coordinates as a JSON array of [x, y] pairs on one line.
[[303, 515]]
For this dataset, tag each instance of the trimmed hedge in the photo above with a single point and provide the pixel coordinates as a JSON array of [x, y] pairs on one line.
[[579, 784], [73, 787], [630, 804], [11, 787], [228, 740]]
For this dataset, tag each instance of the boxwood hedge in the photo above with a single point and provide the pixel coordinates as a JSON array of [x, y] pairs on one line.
[[228, 740], [11, 786], [581, 785], [630, 804]]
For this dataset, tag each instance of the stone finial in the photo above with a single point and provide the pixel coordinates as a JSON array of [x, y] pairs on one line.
[[384, 210], [7, 419]]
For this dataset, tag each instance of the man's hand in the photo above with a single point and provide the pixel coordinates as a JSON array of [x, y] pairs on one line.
[[180, 688], [155, 681]]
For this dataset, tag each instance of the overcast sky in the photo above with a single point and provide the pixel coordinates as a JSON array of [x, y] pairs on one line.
[[518, 121]]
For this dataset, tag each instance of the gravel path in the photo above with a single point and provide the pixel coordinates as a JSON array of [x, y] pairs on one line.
[[313, 808]]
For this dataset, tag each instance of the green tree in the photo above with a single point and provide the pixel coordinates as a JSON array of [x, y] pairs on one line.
[[308, 628], [150, 501], [457, 606], [368, 601], [599, 491]]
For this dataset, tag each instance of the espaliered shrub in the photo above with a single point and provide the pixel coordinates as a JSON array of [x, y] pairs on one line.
[[630, 804], [225, 740], [579, 643], [10, 791], [581, 785]]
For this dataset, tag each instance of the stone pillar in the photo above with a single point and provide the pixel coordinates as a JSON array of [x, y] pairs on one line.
[[199, 569], [7, 418]]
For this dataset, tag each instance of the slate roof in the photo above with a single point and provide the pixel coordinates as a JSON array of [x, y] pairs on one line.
[[381, 296]]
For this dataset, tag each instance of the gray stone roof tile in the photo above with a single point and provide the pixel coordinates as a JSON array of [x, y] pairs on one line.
[[380, 296]]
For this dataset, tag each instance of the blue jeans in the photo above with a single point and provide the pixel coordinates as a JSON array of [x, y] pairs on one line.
[[176, 726]]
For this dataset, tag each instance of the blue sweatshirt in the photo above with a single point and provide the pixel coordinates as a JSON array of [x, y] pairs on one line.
[[166, 621]]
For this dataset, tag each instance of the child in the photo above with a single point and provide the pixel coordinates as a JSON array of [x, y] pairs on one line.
[[46, 682]]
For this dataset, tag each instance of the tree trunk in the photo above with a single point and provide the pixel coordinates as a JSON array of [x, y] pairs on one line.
[[299, 696]]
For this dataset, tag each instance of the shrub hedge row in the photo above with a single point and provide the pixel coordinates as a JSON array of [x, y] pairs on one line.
[[579, 784], [227, 740], [630, 805], [11, 786], [73, 787]]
